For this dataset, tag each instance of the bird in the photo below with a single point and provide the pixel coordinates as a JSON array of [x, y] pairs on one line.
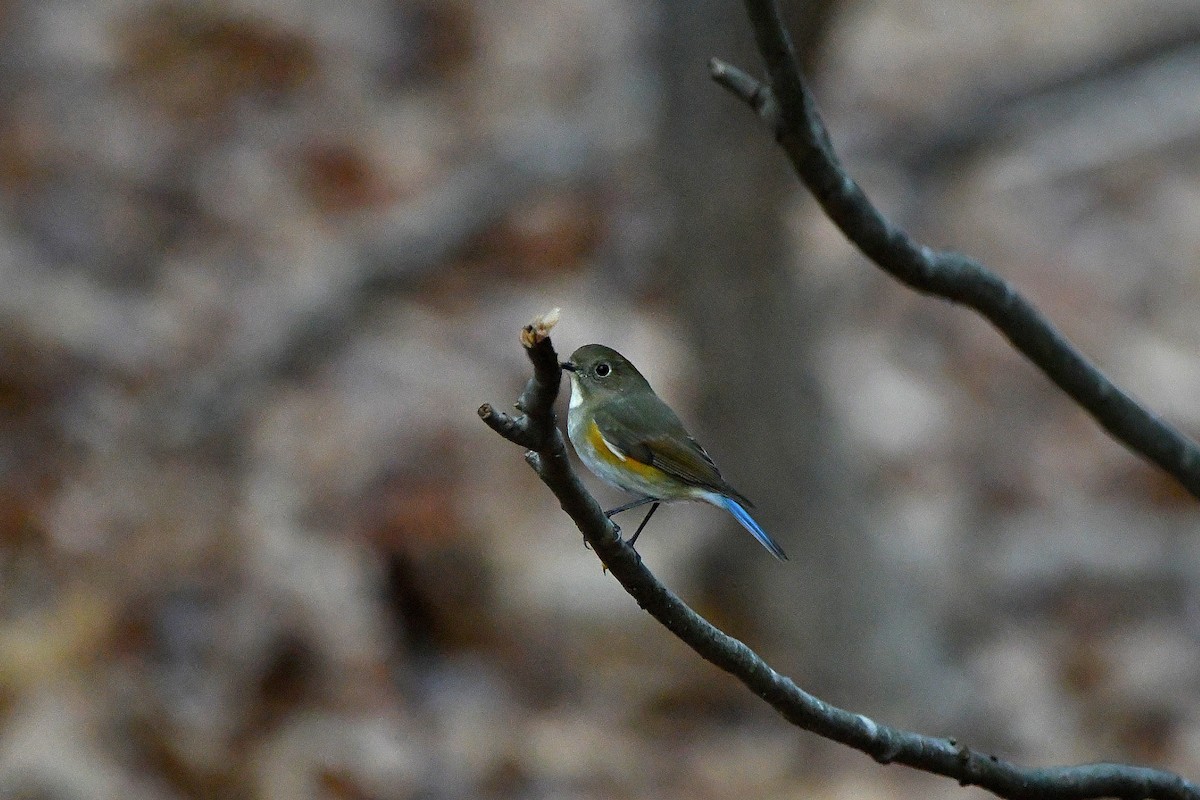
[[631, 439]]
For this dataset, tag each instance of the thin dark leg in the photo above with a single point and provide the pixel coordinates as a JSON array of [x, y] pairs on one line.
[[649, 514], [641, 501]]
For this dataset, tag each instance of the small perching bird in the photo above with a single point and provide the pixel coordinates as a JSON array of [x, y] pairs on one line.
[[631, 439]]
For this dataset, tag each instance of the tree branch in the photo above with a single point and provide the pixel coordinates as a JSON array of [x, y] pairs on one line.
[[536, 430], [789, 110]]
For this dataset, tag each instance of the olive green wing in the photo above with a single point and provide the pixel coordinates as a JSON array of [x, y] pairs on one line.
[[646, 430]]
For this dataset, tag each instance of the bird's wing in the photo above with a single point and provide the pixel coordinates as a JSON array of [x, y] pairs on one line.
[[671, 449]]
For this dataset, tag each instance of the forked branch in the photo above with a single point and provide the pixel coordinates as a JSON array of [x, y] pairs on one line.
[[787, 107], [536, 430]]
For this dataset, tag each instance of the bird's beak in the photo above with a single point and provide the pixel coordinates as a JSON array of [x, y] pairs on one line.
[[569, 367]]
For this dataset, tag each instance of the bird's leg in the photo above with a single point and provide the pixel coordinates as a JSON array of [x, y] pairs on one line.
[[641, 501], [649, 514]]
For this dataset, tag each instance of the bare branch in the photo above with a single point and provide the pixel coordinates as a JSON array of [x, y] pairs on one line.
[[788, 108], [548, 457]]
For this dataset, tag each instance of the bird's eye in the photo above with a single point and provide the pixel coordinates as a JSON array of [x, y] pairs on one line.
[[602, 370]]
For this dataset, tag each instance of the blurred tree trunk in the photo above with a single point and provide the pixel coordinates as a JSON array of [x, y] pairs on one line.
[[730, 271]]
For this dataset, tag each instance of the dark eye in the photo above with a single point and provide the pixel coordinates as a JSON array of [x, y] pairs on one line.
[[602, 370]]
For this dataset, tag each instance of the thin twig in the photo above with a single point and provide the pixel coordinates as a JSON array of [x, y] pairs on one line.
[[789, 110], [548, 457]]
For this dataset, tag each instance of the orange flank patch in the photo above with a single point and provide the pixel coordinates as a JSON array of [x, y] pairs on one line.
[[612, 456]]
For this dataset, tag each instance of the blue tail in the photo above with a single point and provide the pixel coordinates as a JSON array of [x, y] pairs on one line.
[[743, 516]]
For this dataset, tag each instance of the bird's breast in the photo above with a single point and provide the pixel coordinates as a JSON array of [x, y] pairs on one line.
[[616, 467]]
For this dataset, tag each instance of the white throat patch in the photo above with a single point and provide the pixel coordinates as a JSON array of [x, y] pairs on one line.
[[576, 392]]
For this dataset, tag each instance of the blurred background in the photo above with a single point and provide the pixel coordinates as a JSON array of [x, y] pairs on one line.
[[260, 261]]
